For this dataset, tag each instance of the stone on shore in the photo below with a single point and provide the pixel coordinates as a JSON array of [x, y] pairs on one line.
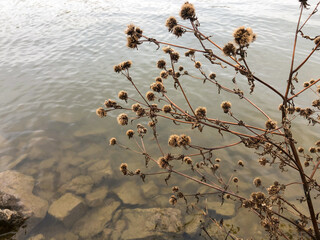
[[68, 209]]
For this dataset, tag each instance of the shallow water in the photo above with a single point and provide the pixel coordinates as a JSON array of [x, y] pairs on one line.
[[56, 68]]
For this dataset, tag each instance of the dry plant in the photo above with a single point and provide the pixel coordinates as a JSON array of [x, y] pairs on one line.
[[274, 143]]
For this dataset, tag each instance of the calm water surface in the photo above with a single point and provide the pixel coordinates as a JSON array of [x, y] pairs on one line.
[[56, 68]]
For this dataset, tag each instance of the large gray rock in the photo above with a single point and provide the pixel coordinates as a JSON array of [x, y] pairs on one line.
[[93, 223], [68, 209], [21, 186]]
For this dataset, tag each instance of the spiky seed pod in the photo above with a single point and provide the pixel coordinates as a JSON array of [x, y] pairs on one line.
[[163, 163], [171, 23], [175, 56], [270, 124], [112, 141], [187, 11], [229, 49], [218, 160], [125, 65], [178, 31], [140, 112], [110, 103], [212, 76], [189, 53], [150, 96], [157, 87], [175, 189], [161, 64], [306, 164], [135, 107], [141, 129], [197, 64], [297, 109], [180, 68], [243, 36], [300, 149], [306, 84], [173, 200], [123, 119], [263, 161], [312, 81], [137, 172], [130, 133], [159, 79], [151, 123], [117, 68], [167, 49], [187, 160], [174, 140], [184, 140], [170, 71], [177, 74], [235, 180], [312, 149], [257, 182], [226, 106], [240, 163], [101, 112], [130, 30], [164, 74], [132, 42], [123, 95], [124, 168], [317, 143], [166, 108], [201, 112], [316, 103]]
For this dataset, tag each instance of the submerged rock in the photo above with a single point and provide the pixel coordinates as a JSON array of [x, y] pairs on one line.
[[79, 185], [93, 223], [68, 209], [96, 198], [20, 186], [130, 193]]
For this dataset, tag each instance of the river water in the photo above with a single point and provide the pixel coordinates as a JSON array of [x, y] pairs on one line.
[[56, 68]]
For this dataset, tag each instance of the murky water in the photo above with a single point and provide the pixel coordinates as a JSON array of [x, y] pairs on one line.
[[56, 68]]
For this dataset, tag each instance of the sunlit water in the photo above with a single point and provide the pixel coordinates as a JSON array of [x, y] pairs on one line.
[[56, 68]]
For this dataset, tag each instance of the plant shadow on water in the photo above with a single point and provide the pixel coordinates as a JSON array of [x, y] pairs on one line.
[[58, 151]]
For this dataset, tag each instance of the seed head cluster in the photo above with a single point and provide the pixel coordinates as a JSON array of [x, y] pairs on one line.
[[157, 87], [150, 96], [113, 141], [161, 64], [101, 112], [166, 108], [123, 95], [270, 124], [244, 36], [187, 11], [171, 23], [110, 103], [123, 119], [229, 49], [130, 133], [124, 168], [133, 35], [226, 106], [122, 66], [201, 112]]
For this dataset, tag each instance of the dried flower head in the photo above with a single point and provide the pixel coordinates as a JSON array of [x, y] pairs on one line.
[[159, 79], [180, 68], [135, 107], [123, 95], [163, 163], [312, 150], [175, 56], [117, 68], [317, 143], [306, 164], [150, 96], [110, 103], [187, 160], [173, 200], [226, 106], [130, 133], [167, 49], [164, 74], [218, 160], [174, 140], [184, 140], [297, 109], [151, 123], [270, 124], [125, 65], [257, 182], [215, 167], [306, 84], [124, 168], [263, 161], [300, 149], [243, 36], [316, 103], [312, 81], [141, 130], [101, 112], [175, 189], [166, 108], [123, 119], [140, 112], [197, 64], [157, 87], [229, 49], [201, 112], [240, 163], [178, 31], [112, 141], [235, 180], [187, 11], [212, 76], [161, 64], [137, 171], [171, 23], [189, 53]]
